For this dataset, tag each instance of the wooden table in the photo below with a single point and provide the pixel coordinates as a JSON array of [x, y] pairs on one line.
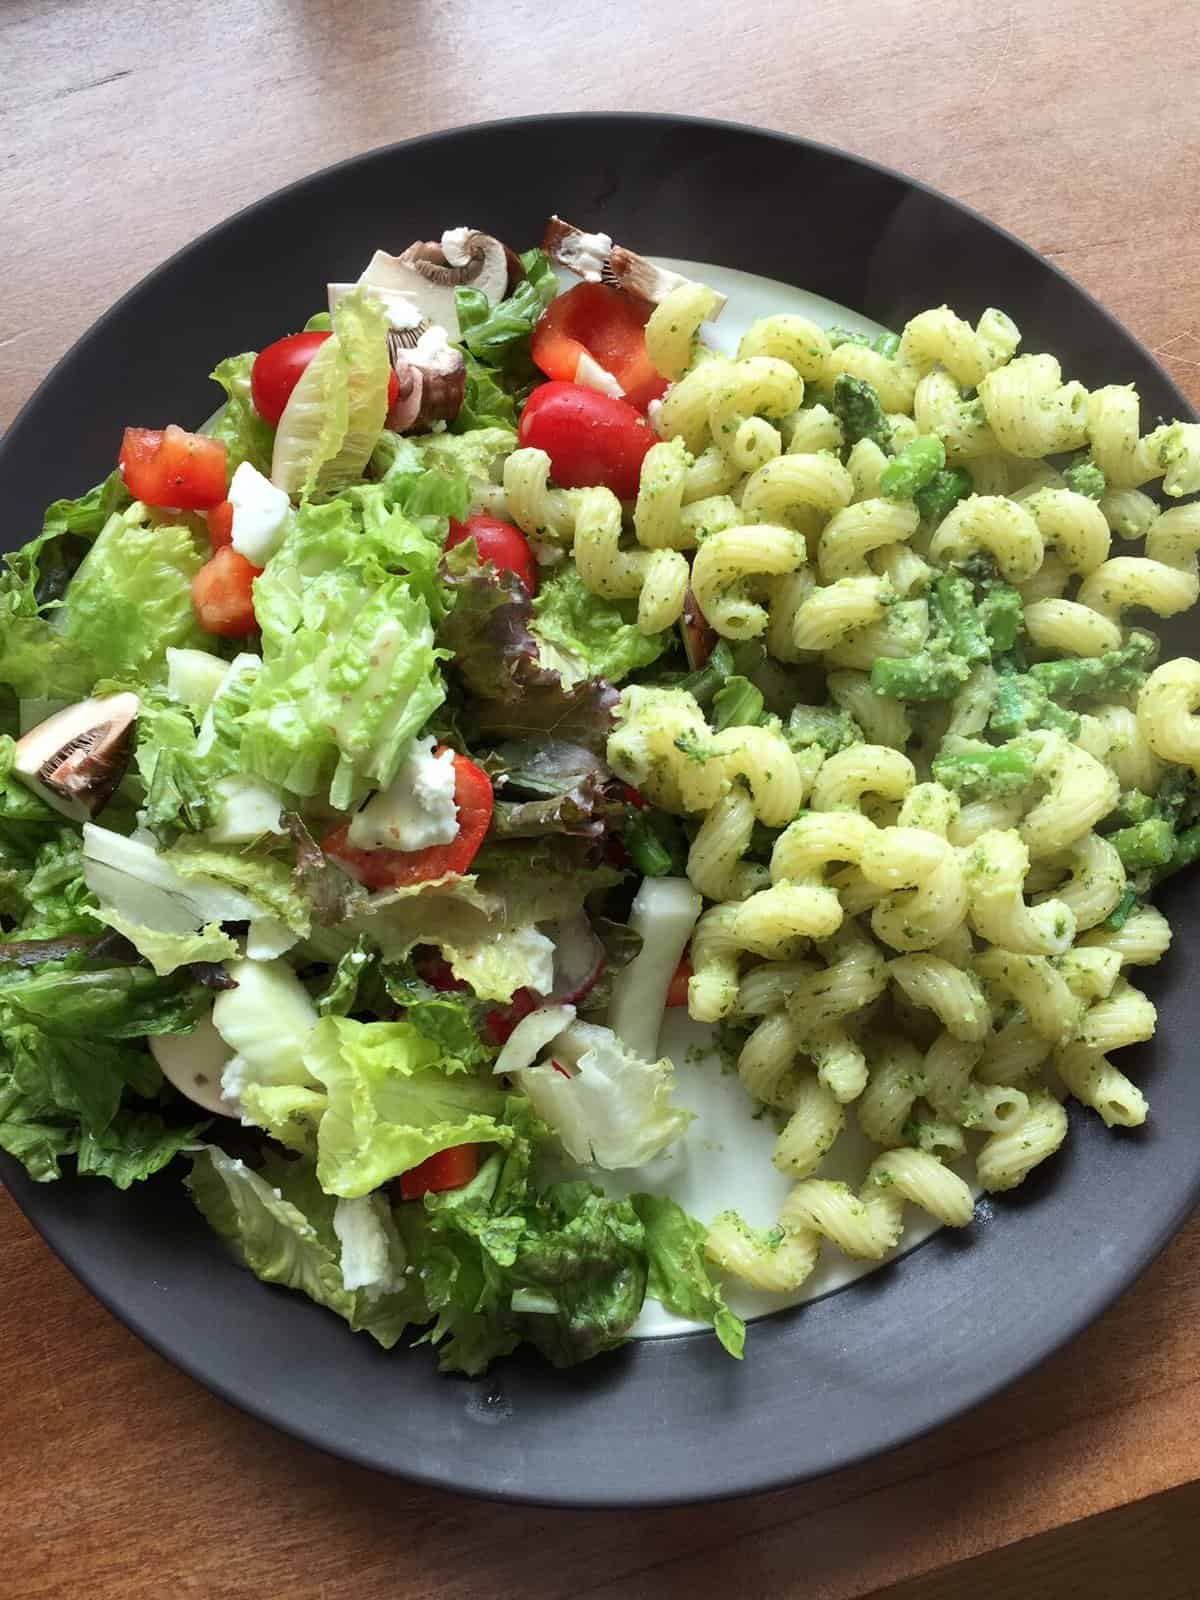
[[128, 130]]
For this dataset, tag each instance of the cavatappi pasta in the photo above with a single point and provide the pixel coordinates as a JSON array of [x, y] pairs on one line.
[[925, 861]]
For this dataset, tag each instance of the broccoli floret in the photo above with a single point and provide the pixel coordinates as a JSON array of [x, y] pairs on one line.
[[858, 408], [914, 469], [1093, 677], [822, 725], [985, 771], [1085, 477], [943, 492]]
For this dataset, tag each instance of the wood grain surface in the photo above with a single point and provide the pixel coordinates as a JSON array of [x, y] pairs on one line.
[[126, 131]]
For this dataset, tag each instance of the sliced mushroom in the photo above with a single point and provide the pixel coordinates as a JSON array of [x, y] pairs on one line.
[[595, 257], [432, 376], [418, 287], [76, 758]]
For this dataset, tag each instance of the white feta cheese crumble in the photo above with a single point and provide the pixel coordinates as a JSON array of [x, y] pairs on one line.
[[417, 808], [585, 254], [259, 514], [592, 375], [365, 1257], [654, 416]]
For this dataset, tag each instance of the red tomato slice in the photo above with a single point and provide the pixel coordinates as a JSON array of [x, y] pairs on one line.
[[500, 543], [277, 369], [597, 320], [223, 594], [590, 438], [169, 467], [448, 1169], [394, 869], [677, 989], [220, 524]]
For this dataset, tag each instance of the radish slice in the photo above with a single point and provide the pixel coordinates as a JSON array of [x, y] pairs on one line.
[[531, 1036], [578, 959], [664, 913], [698, 634]]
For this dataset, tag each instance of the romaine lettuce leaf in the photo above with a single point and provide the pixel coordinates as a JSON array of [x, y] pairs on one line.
[[130, 599], [245, 435], [265, 879], [349, 670], [167, 952], [391, 1103], [280, 1225], [600, 634], [336, 412]]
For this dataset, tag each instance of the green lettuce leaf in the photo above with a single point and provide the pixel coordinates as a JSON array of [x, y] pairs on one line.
[[499, 334], [245, 435], [265, 879], [129, 599], [167, 952], [335, 414], [601, 635], [475, 455], [679, 1275], [453, 1021], [392, 1103], [504, 1260], [280, 1225], [50, 897], [134, 1146], [34, 1131], [349, 670]]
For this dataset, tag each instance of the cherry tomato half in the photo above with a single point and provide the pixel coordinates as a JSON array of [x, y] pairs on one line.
[[170, 467], [278, 368], [589, 437], [677, 989], [448, 1169], [597, 320], [500, 543], [223, 594], [394, 869], [220, 524]]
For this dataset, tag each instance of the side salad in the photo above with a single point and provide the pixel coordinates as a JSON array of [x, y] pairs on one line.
[[313, 871]]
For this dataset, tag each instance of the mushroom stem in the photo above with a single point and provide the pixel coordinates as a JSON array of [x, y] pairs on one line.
[[594, 256]]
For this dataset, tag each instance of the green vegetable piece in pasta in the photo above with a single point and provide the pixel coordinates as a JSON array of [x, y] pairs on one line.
[[1123, 910], [943, 492], [1148, 844], [1085, 477], [955, 600], [703, 683], [1132, 808], [1023, 703], [917, 465], [737, 704], [656, 844], [857, 406], [884, 344], [823, 726], [1088, 677], [932, 674], [986, 771], [1002, 613]]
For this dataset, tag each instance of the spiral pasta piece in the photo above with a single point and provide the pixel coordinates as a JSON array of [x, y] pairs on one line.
[[788, 338], [1091, 1077], [537, 509], [673, 329], [940, 338], [995, 868], [1010, 1156], [1001, 527], [731, 560], [850, 536], [1031, 411]]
